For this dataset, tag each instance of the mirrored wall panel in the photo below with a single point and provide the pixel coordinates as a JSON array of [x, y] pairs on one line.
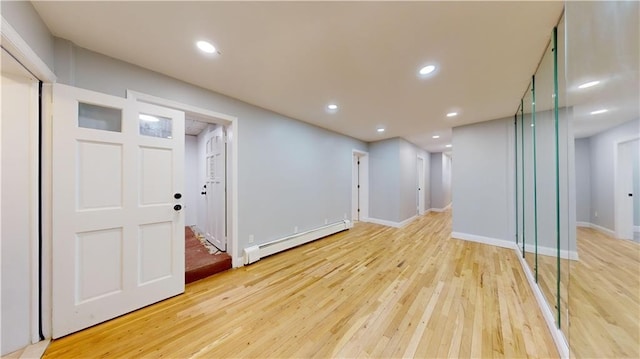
[[577, 174], [602, 96]]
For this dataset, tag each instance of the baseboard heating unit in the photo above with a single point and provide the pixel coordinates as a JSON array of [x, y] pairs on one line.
[[254, 253]]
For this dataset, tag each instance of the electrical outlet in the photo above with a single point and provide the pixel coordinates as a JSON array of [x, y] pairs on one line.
[[295, 229], [251, 238], [596, 214]]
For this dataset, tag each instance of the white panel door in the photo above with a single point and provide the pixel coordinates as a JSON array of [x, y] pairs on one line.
[[355, 188], [421, 189], [118, 228], [216, 193], [624, 191]]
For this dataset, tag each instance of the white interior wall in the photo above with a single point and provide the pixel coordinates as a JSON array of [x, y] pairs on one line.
[[427, 180], [602, 171], [481, 178], [440, 170], [384, 180], [583, 180], [26, 21], [446, 178], [393, 182], [408, 162]]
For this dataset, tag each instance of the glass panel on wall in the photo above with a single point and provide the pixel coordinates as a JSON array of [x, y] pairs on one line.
[[602, 90], [99, 117], [528, 182], [155, 126], [566, 178], [518, 175], [545, 176]]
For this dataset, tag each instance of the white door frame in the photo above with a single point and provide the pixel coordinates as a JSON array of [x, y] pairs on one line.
[[231, 125], [24, 77], [21, 51], [618, 202], [363, 175]]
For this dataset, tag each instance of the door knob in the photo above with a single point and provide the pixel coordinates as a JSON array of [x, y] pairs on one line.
[[203, 193], [177, 207], [177, 195]]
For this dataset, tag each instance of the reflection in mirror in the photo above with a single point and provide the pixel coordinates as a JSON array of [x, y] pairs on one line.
[[519, 180], [528, 192], [602, 90], [566, 174], [545, 180]]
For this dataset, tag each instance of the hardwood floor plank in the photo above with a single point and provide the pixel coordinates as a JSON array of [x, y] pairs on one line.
[[372, 291]]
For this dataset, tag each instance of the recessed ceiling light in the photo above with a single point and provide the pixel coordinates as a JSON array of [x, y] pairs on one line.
[[380, 129], [452, 114], [435, 136], [588, 84], [448, 146], [599, 111], [206, 47], [427, 70], [148, 118], [332, 107]]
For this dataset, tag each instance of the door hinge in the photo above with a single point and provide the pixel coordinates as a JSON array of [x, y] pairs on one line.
[[358, 186], [358, 209], [358, 162]]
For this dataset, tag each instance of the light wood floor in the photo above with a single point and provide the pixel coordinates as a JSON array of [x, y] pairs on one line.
[[604, 297], [602, 292], [372, 291]]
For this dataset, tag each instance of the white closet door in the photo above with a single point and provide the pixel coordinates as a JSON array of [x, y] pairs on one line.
[[118, 225]]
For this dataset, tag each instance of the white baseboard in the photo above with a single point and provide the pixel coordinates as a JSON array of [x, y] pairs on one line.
[[583, 224], [485, 240], [390, 223], [36, 350], [547, 314], [552, 252], [440, 209]]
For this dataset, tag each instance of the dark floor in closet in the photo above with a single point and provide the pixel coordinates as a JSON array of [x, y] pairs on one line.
[[199, 263]]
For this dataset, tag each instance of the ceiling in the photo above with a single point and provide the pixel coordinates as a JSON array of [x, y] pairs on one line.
[[295, 58], [603, 45], [194, 127]]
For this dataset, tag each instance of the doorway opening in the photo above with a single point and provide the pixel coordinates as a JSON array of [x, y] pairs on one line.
[[205, 199], [230, 126], [360, 186]]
